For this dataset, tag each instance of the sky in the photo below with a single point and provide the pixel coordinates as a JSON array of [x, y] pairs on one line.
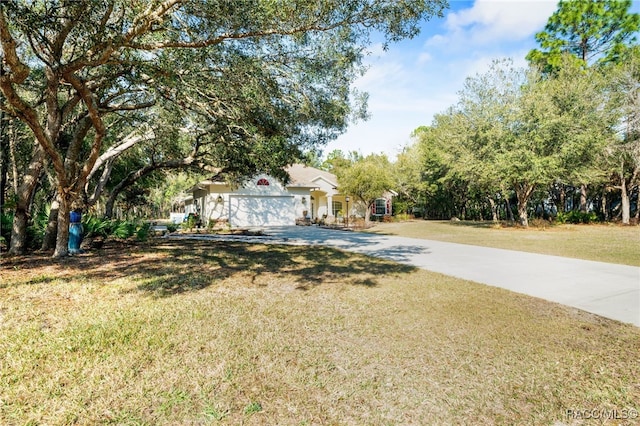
[[415, 79]]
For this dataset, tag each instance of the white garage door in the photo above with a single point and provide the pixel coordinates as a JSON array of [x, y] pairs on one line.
[[261, 211]]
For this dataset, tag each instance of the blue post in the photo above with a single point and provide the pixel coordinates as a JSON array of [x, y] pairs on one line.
[[75, 233]]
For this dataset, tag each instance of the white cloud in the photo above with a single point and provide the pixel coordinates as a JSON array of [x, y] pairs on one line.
[[424, 57], [494, 20], [380, 73], [415, 80]]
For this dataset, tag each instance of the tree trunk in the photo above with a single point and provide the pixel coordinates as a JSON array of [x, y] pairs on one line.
[[604, 208], [62, 238], [563, 199], [111, 201], [4, 155], [494, 209], [49, 240], [626, 205], [509, 211], [522, 214], [523, 193], [583, 198], [19, 231], [367, 213], [24, 197], [4, 161]]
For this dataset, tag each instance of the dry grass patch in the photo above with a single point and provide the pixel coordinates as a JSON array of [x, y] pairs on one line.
[[604, 243], [226, 333]]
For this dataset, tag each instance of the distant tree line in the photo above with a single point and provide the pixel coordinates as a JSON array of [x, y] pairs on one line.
[[559, 139]]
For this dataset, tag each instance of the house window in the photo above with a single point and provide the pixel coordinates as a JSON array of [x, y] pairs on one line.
[[381, 207], [336, 207], [263, 182]]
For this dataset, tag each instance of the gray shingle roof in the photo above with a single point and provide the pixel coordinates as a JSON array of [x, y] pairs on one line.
[[302, 175]]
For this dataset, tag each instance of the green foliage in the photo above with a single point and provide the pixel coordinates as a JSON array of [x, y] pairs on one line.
[[402, 217], [576, 217], [143, 230], [192, 221], [400, 207], [95, 226], [122, 229], [38, 226], [172, 227], [242, 86], [591, 31], [366, 179], [337, 161], [6, 222], [252, 408]]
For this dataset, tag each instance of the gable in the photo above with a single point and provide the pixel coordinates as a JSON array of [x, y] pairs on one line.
[[262, 185], [306, 176]]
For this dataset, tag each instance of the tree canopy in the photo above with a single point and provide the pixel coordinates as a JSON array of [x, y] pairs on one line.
[[590, 30], [252, 83], [367, 179]]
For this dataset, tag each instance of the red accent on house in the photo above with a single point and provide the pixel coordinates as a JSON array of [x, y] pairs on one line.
[[263, 181]]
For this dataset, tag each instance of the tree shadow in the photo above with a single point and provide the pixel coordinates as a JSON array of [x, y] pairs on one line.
[[172, 267], [484, 224]]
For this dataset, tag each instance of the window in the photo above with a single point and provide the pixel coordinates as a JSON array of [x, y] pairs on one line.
[[336, 207], [381, 207], [263, 182]]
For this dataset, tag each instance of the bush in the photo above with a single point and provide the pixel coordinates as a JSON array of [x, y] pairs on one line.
[[6, 222], [172, 227], [38, 226], [192, 221], [575, 217], [95, 227], [143, 231], [403, 217]]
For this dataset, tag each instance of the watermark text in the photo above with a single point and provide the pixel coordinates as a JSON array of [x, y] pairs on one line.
[[601, 413]]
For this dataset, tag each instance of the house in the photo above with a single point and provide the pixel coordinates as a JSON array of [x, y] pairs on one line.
[[264, 201]]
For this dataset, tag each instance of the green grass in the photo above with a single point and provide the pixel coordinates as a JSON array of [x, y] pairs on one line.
[[604, 243], [227, 333]]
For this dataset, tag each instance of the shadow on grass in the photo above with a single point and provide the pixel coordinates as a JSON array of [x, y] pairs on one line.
[[172, 267], [488, 224]]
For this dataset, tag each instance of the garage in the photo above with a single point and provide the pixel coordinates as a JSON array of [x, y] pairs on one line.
[[261, 210]]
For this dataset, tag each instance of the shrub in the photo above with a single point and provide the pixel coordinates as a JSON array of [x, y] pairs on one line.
[[539, 223], [120, 229], [192, 221], [143, 231], [402, 217], [575, 217], [6, 222], [95, 227], [172, 227], [38, 226]]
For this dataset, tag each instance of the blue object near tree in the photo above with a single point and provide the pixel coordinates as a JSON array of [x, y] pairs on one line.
[[76, 217], [75, 233]]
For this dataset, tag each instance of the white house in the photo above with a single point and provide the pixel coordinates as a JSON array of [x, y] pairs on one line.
[[264, 201]]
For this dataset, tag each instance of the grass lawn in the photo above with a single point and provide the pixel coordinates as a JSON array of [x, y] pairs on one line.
[[604, 243], [193, 332]]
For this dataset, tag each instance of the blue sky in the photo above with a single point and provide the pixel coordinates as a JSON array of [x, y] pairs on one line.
[[416, 79]]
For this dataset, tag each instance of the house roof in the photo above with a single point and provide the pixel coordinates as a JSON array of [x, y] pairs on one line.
[[306, 176], [301, 176]]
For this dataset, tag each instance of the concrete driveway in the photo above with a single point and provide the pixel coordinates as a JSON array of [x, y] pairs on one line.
[[609, 290]]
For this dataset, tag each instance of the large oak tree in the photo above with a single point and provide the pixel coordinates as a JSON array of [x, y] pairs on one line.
[[268, 74]]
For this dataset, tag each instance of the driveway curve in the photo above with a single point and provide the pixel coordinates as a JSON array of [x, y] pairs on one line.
[[605, 289]]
